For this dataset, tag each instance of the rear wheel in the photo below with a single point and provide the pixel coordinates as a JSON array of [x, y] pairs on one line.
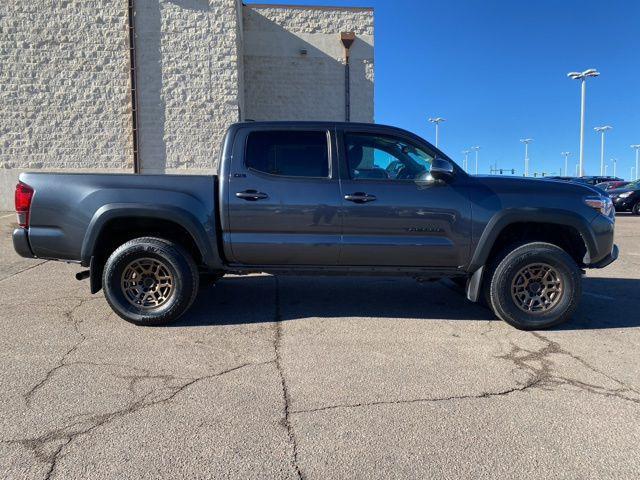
[[534, 286], [150, 281]]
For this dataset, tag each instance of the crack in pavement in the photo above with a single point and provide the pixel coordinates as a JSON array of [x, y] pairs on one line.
[[555, 348], [277, 341], [69, 316], [540, 376], [525, 360], [530, 384], [83, 426], [23, 270]]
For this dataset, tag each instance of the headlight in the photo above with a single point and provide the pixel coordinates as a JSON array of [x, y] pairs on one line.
[[625, 195], [602, 204]]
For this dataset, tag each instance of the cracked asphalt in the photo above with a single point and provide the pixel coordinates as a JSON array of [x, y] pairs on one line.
[[316, 377]]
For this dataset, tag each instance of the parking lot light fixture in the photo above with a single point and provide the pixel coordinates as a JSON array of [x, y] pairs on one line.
[[637, 149], [475, 149], [466, 159], [437, 121], [582, 76], [602, 130], [614, 161], [526, 142], [566, 162]]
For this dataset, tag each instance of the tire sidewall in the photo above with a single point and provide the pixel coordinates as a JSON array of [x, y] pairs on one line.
[[169, 256], [503, 303]]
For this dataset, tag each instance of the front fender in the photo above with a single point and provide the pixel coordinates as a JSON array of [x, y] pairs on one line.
[[507, 217]]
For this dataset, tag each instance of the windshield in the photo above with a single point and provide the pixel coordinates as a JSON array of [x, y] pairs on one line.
[[633, 185]]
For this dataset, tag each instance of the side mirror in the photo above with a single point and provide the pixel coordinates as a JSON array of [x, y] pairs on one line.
[[441, 169]]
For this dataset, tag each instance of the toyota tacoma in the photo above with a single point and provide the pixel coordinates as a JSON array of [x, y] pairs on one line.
[[306, 198]]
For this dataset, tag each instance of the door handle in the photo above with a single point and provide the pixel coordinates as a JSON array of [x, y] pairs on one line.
[[252, 195], [360, 197]]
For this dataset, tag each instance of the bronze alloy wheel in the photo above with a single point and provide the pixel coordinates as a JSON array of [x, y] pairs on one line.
[[147, 283], [536, 288]]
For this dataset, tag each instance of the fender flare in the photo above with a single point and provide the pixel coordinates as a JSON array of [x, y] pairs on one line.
[[206, 243], [507, 217]]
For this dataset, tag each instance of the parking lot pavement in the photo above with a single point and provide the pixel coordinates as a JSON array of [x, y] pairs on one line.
[[316, 378]]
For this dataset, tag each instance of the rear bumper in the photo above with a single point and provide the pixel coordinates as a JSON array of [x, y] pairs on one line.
[[21, 243]]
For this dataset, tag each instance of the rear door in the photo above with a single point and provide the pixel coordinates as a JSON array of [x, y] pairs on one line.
[[283, 197], [392, 214]]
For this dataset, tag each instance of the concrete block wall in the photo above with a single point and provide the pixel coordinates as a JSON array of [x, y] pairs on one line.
[[65, 93], [282, 84], [189, 81], [64, 88]]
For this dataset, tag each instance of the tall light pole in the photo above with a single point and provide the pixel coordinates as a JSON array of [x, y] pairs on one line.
[[566, 162], [582, 76], [615, 163], [526, 142], [475, 149], [637, 149], [466, 159], [602, 130], [632, 177], [437, 122]]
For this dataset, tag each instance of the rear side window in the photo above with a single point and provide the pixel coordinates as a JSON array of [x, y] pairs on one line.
[[288, 153]]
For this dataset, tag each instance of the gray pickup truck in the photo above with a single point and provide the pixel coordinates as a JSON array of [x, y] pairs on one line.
[[320, 198]]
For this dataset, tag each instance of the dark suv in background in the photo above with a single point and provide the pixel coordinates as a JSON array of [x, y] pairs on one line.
[[627, 198]]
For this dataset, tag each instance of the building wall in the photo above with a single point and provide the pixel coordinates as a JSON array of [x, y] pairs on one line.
[[64, 88], [282, 84], [189, 81], [65, 93]]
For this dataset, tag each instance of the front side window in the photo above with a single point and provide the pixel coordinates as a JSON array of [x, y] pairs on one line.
[[384, 157], [288, 153]]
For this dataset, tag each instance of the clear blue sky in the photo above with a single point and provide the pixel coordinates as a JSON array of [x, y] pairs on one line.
[[496, 70]]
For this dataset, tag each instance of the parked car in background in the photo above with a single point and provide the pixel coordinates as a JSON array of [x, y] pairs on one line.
[[595, 180], [627, 198], [564, 179], [611, 185]]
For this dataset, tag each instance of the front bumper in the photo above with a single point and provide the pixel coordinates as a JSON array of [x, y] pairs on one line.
[[21, 243], [608, 260]]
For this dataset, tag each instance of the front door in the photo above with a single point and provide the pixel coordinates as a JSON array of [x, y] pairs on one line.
[[283, 198], [393, 215]]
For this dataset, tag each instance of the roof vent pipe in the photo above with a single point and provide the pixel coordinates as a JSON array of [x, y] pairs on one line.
[[347, 39]]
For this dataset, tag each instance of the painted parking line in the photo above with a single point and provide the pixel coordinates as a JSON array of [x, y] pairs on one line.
[[7, 216], [597, 295]]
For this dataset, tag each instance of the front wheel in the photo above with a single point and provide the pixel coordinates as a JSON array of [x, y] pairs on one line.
[[636, 208], [150, 281], [537, 285]]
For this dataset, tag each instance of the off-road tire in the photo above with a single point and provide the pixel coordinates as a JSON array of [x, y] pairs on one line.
[[513, 261], [177, 262]]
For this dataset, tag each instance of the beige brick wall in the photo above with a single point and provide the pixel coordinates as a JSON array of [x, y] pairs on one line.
[[64, 85], [65, 91], [282, 84], [189, 81]]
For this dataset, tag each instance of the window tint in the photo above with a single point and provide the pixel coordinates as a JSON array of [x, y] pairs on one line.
[[386, 158], [291, 153]]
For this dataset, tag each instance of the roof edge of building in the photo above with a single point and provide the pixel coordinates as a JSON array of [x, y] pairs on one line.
[[308, 7]]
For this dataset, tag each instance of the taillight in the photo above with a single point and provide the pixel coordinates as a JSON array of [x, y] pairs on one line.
[[24, 194]]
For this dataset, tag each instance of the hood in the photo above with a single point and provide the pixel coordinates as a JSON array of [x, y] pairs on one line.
[[537, 185]]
